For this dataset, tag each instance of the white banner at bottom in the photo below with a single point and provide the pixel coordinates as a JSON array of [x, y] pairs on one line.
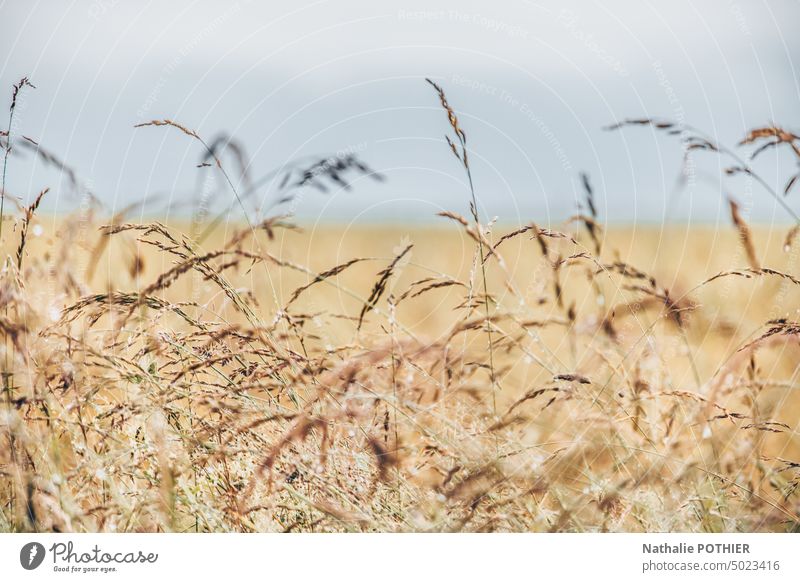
[[400, 557]]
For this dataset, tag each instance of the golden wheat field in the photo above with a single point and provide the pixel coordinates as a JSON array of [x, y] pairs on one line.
[[208, 400], [274, 376]]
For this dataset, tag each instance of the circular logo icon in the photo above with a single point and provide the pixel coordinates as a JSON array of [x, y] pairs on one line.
[[31, 555]]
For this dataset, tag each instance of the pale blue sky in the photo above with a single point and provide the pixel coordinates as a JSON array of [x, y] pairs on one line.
[[533, 82]]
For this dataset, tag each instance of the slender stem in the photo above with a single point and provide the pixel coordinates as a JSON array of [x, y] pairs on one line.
[[392, 328], [485, 290], [492, 375], [5, 168], [3, 197]]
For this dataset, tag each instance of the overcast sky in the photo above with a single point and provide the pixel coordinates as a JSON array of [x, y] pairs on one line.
[[533, 82]]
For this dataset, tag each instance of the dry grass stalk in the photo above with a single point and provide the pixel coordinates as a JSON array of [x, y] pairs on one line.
[[26, 222], [745, 235]]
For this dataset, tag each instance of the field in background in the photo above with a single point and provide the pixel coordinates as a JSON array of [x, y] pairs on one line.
[[615, 396]]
